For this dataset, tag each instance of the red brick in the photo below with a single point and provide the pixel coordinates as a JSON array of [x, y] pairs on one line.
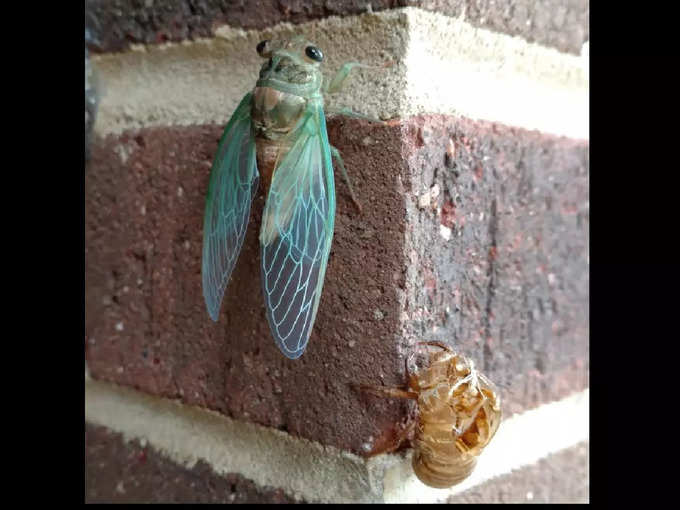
[[170, 347], [559, 478], [517, 306], [118, 471], [562, 24], [516, 265]]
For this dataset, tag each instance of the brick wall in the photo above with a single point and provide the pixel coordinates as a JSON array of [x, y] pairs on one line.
[[474, 231]]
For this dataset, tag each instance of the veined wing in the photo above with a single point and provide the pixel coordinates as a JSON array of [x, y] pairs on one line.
[[296, 233], [233, 182]]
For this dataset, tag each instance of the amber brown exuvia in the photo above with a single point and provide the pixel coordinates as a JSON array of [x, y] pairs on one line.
[[458, 413]]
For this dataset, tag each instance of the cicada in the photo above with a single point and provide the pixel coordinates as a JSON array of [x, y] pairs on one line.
[[278, 135], [458, 414]]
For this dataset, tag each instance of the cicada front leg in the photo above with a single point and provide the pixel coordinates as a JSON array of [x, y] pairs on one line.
[[336, 84], [348, 112], [404, 432], [381, 391], [405, 392], [336, 154], [436, 343], [338, 80]]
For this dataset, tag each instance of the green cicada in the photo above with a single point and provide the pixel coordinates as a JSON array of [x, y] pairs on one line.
[[278, 134]]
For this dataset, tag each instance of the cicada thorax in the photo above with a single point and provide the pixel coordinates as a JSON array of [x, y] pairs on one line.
[[275, 115], [458, 414]]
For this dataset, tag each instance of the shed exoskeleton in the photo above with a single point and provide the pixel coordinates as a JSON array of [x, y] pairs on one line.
[[458, 413]]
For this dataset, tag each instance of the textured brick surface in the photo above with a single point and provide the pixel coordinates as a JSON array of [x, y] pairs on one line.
[[559, 478], [117, 23], [562, 24], [146, 321], [117, 471], [509, 286]]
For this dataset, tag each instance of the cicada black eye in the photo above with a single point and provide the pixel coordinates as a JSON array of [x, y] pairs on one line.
[[314, 53], [263, 48]]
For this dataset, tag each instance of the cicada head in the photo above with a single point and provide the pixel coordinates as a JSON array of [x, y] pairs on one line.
[[292, 66], [429, 364]]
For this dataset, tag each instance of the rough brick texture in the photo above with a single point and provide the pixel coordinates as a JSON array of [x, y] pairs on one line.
[[118, 471], [115, 24], [559, 478], [509, 286], [146, 321]]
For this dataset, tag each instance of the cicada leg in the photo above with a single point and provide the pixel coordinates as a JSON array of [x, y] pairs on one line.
[[436, 343], [336, 154], [380, 391], [339, 79], [334, 86], [348, 112], [404, 432], [406, 393]]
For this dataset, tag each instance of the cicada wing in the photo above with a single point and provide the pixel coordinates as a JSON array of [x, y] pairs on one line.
[[296, 234], [233, 183]]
